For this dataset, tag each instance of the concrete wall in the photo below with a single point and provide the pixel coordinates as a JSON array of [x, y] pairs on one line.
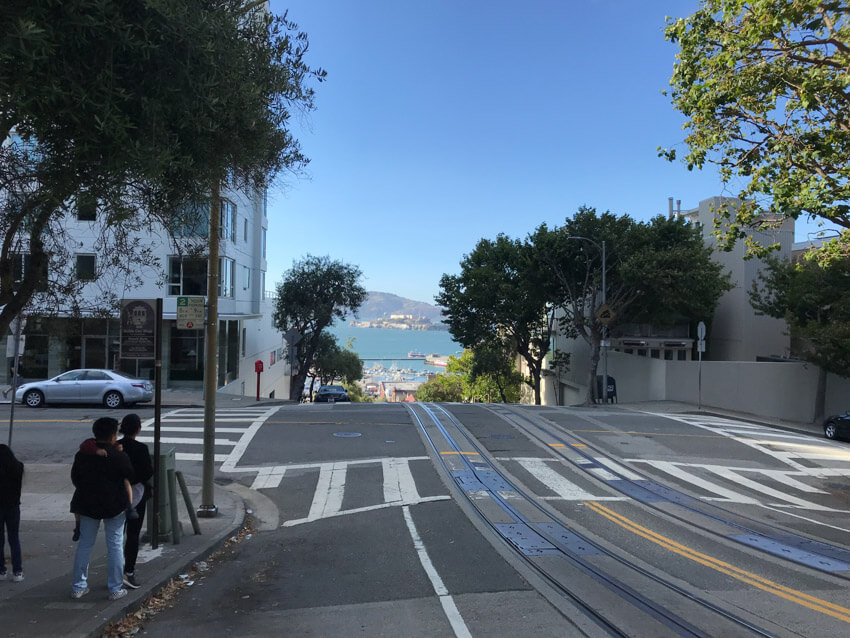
[[785, 391]]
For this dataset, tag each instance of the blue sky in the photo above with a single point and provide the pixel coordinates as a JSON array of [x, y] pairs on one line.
[[442, 122]]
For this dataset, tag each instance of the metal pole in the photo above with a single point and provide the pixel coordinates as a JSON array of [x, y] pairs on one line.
[[157, 411], [604, 333], [208, 508], [16, 359]]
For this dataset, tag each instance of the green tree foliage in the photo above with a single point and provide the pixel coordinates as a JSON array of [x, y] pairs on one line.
[[356, 393], [763, 85], [337, 363], [659, 272], [441, 388], [138, 108], [487, 374], [502, 292], [813, 300], [313, 294]]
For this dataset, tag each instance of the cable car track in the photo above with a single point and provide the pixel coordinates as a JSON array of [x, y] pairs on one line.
[[811, 553], [548, 535]]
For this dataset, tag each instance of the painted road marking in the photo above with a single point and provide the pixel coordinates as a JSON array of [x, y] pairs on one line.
[[399, 486], [565, 489], [792, 595], [455, 619]]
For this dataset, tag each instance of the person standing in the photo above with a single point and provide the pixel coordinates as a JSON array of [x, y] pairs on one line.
[[140, 459], [100, 495], [11, 478]]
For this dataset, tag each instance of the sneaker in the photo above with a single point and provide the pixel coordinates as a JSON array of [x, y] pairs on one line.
[[79, 593], [115, 595], [130, 581], [18, 577]]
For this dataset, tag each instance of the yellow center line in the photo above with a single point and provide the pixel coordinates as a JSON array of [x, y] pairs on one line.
[[556, 445], [578, 445], [463, 453], [792, 595]]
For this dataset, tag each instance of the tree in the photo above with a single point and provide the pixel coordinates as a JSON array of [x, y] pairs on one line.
[[446, 388], [501, 292], [313, 294], [813, 300], [141, 109], [764, 87], [658, 272], [487, 374], [337, 363]]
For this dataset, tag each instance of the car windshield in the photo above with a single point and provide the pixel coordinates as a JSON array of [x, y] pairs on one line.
[[331, 388], [124, 376]]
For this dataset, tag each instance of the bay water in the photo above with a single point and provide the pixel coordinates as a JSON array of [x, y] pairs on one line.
[[390, 347]]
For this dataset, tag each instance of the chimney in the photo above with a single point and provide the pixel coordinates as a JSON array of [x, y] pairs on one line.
[[678, 208], [669, 208]]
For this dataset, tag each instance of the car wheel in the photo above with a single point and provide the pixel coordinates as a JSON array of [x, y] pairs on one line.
[[34, 398], [113, 399], [829, 430]]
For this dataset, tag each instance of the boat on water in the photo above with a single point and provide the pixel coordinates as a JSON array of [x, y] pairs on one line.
[[414, 354]]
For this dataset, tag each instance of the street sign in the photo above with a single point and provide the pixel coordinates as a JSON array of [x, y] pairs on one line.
[[138, 328], [605, 314], [701, 331], [190, 313]]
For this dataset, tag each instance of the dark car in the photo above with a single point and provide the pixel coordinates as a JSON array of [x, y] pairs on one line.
[[837, 427], [331, 394]]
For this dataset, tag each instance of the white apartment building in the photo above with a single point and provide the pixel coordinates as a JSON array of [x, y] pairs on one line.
[[245, 331]]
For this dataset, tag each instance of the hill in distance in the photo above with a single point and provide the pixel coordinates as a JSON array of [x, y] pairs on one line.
[[384, 304]]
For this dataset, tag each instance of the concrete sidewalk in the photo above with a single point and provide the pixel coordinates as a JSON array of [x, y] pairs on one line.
[[41, 605]]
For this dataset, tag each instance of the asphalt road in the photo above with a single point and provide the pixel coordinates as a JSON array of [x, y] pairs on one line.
[[509, 520]]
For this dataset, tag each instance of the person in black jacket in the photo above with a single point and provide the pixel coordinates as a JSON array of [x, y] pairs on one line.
[[140, 459], [100, 495], [11, 478]]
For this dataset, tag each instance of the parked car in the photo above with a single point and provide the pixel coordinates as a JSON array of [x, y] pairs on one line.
[[112, 389], [328, 393], [837, 426]]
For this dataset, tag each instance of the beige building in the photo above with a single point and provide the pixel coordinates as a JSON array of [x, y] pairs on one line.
[[735, 333]]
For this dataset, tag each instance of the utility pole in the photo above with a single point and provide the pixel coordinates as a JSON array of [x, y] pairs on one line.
[[208, 508]]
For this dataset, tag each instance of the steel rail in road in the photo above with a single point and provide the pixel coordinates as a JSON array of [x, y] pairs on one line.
[[767, 538], [568, 544]]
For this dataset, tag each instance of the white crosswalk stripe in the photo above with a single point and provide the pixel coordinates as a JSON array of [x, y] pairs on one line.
[[399, 485], [230, 441]]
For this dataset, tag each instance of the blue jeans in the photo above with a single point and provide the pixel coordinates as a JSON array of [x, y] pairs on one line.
[[113, 529], [10, 521]]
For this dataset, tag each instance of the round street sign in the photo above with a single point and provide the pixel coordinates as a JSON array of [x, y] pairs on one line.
[[701, 330]]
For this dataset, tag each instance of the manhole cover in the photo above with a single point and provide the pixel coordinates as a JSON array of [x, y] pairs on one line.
[[347, 435]]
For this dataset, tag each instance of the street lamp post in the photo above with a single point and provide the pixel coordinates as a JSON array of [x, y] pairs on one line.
[[604, 324]]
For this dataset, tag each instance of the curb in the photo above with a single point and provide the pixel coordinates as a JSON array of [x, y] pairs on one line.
[[96, 628]]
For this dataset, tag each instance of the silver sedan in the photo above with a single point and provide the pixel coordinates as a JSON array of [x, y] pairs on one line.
[[112, 389]]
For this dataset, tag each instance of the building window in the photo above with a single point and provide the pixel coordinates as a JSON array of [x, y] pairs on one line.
[[86, 207], [85, 267], [187, 276], [21, 266], [227, 229], [244, 340], [225, 277], [263, 240], [262, 284], [192, 220], [246, 278], [265, 202], [683, 356], [245, 230]]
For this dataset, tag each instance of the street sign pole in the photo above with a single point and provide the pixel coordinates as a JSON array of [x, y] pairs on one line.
[[700, 350]]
